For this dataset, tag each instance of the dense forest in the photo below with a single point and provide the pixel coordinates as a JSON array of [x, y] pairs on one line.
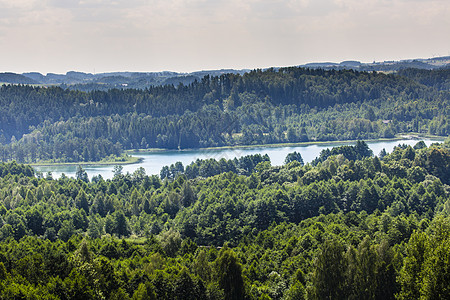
[[350, 225], [259, 107]]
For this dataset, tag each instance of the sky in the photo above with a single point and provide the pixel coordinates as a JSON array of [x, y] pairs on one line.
[[56, 36]]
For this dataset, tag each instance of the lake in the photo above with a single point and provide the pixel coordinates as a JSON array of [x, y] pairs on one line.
[[152, 162]]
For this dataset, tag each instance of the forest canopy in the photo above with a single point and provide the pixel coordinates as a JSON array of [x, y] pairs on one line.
[[364, 227]]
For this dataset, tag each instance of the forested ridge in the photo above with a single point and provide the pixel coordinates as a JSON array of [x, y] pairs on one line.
[[259, 107], [350, 225]]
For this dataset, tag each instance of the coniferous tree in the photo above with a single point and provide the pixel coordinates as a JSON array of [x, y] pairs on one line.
[[229, 274], [328, 276]]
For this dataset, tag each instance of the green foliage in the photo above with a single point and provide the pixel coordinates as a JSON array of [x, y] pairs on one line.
[[209, 167], [328, 276], [229, 274], [357, 152], [294, 156], [366, 228]]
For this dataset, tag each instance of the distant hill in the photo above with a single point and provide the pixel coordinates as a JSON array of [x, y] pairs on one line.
[[140, 80], [321, 65], [16, 79], [385, 66]]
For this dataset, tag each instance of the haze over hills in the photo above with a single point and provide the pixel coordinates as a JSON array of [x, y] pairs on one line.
[[105, 81]]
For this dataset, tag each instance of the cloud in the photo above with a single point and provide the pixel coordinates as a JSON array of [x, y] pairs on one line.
[[195, 34]]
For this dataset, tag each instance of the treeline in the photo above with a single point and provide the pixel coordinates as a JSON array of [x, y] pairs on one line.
[[433, 79], [209, 167], [357, 152], [259, 107], [248, 164], [61, 150], [369, 228], [15, 169]]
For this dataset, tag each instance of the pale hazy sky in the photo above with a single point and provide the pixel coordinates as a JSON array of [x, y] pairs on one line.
[[188, 35]]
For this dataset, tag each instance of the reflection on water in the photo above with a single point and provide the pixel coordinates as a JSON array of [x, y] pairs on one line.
[[152, 162]]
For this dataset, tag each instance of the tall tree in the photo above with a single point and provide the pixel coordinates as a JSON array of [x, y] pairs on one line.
[[411, 273], [328, 274], [229, 274]]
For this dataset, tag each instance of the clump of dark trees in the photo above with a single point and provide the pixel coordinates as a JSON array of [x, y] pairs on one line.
[[259, 107], [351, 226]]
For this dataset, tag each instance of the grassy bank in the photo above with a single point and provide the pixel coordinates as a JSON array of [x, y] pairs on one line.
[[123, 160]]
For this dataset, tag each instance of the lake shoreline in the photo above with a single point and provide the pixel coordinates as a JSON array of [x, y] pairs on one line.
[[135, 160], [407, 136], [153, 162]]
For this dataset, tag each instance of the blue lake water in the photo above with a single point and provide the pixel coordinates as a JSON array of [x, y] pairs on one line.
[[152, 162]]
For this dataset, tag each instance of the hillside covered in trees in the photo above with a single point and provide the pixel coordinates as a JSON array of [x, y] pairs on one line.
[[259, 107], [348, 226]]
